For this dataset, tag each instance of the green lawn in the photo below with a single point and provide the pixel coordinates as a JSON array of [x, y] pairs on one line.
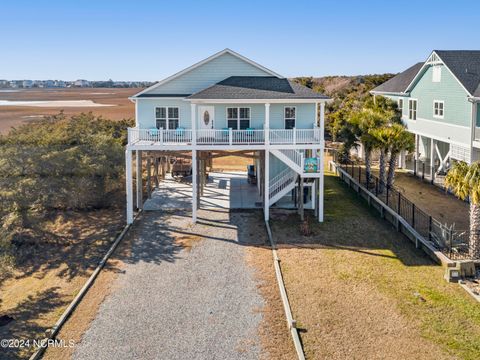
[[359, 287]]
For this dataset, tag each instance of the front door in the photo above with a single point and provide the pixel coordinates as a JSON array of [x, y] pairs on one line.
[[206, 117]]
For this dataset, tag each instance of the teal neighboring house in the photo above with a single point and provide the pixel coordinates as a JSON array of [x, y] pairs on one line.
[[229, 104], [439, 102]]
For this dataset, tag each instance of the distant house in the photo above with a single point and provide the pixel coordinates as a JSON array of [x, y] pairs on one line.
[[82, 83], [439, 102], [4, 83], [27, 84]]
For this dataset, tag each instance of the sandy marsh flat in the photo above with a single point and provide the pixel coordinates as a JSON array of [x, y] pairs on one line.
[[72, 101]]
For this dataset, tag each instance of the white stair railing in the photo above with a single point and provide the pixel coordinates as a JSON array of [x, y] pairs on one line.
[[295, 156], [282, 181]]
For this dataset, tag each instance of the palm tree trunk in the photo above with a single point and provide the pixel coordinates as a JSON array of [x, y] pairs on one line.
[[392, 164], [474, 239], [368, 165], [381, 174]]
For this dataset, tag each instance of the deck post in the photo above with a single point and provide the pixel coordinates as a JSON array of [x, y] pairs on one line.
[[193, 113], [149, 177], [155, 172], [315, 196], [322, 166], [432, 157], [266, 191], [194, 184], [138, 174], [266, 126], [129, 184], [300, 200]]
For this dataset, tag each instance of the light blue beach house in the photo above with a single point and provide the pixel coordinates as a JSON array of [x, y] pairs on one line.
[[230, 103], [439, 102]]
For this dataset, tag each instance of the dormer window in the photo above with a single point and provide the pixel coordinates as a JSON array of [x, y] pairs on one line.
[[437, 74]]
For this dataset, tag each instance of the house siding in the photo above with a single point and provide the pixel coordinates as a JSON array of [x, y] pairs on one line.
[[457, 108], [305, 114], [146, 112], [455, 125], [208, 74]]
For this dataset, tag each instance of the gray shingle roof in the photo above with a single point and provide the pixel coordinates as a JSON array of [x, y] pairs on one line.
[[257, 87], [465, 65], [400, 82]]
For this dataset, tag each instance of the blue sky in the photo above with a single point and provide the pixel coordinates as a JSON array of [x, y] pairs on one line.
[[149, 40]]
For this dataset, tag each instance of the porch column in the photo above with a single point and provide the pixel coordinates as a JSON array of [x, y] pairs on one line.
[[266, 127], [321, 185], [432, 156], [266, 180], [194, 186], [129, 185], [193, 111], [322, 166], [138, 174]]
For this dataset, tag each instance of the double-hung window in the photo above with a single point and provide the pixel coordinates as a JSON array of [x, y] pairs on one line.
[[400, 105], [438, 108], [238, 118], [290, 114], [166, 117], [412, 109]]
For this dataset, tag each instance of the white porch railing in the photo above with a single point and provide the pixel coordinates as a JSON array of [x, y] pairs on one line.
[[295, 136], [222, 136]]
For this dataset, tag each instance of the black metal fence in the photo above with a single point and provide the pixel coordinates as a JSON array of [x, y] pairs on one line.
[[452, 242]]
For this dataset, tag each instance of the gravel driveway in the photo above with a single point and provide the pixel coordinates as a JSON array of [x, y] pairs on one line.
[[186, 293]]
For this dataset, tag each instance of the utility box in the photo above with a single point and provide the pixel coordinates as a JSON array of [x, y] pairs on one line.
[[459, 270]]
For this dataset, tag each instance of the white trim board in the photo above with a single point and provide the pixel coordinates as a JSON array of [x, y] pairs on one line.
[[208, 59], [448, 141], [436, 122]]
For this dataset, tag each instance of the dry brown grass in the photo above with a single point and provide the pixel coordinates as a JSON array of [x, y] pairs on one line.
[[274, 335], [431, 199], [360, 290], [37, 292], [11, 116], [87, 310], [233, 163]]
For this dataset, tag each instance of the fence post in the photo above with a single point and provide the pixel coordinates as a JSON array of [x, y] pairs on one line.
[[432, 174], [398, 205], [387, 195], [376, 186], [423, 171], [413, 215], [359, 174], [429, 228], [414, 167]]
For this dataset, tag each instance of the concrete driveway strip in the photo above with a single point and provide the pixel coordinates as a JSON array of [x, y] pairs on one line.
[[177, 302]]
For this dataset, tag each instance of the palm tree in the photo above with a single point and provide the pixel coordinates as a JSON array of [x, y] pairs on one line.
[[362, 123], [464, 181], [400, 140], [382, 137]]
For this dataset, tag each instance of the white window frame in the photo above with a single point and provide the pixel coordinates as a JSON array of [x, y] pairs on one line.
[[400, 107], [238, 116], [438, 116], [436, 73], [167, 118], [285, 116], [410, 111]]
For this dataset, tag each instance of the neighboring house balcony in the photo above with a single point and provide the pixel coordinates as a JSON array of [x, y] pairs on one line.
[[158, 139]]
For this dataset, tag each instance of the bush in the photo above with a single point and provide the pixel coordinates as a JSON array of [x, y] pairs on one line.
[[58, 163]]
